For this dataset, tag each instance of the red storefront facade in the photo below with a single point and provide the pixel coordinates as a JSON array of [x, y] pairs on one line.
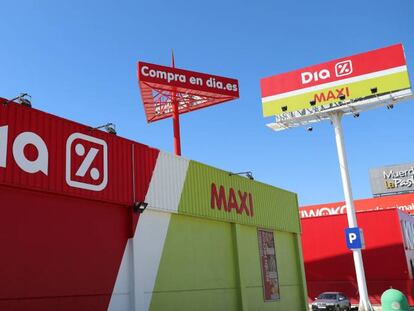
[[73, 236], [64, 224], [388, 255]]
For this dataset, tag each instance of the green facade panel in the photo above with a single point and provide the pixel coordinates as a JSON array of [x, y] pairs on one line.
[[215, 194], [215, 265], [210, 259], [210, 300], [197, 267], [288, 266]]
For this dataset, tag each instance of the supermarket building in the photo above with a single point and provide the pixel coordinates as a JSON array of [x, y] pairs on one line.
[[73, 236]]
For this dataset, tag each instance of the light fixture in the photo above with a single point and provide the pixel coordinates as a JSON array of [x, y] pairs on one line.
[[310, 129], [22, 100], [390, 106], [356, 115], [342, 97], [109, 128], [374, 90], [139, 207], [248, 174], [312, 102], [284, 108]]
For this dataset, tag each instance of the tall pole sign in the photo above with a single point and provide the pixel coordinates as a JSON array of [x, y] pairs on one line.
[[169, 92], [176, 118], [329, 91]]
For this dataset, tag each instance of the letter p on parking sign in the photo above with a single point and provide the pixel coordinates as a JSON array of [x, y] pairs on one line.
[[354, 238]]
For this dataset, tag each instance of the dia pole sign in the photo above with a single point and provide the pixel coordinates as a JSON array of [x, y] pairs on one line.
[[330, 90], [376, 72], [168, 92], [194, 90]]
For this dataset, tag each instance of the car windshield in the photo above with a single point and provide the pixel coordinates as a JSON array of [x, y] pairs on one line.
[[327, 296]]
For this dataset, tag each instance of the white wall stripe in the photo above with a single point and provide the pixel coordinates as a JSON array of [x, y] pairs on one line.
[[121, 299], [335, 83], [139, 267], [148, 244], [167, 183]]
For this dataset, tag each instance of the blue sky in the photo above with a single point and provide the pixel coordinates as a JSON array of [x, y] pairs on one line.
[[77, 59]]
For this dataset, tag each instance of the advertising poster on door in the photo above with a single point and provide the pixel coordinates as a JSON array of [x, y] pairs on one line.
[[267, 254]]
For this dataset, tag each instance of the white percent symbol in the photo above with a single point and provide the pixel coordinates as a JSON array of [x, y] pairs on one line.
[[86, 164], [343, 68]]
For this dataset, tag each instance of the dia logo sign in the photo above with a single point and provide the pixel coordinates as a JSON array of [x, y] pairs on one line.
[[343, 68], [39, 164], [86, 162], [86, 158]]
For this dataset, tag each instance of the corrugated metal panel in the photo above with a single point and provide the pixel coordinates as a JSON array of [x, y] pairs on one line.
[[272, 207], [145, 159], [54, 133], [130, 169], [167, 183]]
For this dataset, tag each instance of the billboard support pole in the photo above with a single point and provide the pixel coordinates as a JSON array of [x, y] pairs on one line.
[[176, 117], [364, 303], [176, 125]]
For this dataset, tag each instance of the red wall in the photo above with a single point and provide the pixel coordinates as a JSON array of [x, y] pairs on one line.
[[59, 253], [329, 264], [62, 245]]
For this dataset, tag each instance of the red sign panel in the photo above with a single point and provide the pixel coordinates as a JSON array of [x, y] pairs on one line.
[[403, 202], [339, 69], [47, 153], [193, 90], [270, 276]]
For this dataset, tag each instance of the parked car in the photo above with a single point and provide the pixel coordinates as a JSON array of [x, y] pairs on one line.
[[332, 301]]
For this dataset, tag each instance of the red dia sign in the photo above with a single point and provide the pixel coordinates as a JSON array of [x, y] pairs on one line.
[[160, 85], [46, 153], [380, 71]]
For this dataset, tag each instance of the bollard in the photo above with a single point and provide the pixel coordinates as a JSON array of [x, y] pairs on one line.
[[392, 300]]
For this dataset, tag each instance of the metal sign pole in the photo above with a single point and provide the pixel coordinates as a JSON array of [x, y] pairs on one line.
[[176, 125], [176, 117], [364, 303]]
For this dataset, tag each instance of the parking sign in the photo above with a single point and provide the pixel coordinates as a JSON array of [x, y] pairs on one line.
[[354, 238]]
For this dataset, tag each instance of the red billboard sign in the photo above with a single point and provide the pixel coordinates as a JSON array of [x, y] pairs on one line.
[[193, 90], [47, 153], [403, 202], [347, 78], [334, 70]]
